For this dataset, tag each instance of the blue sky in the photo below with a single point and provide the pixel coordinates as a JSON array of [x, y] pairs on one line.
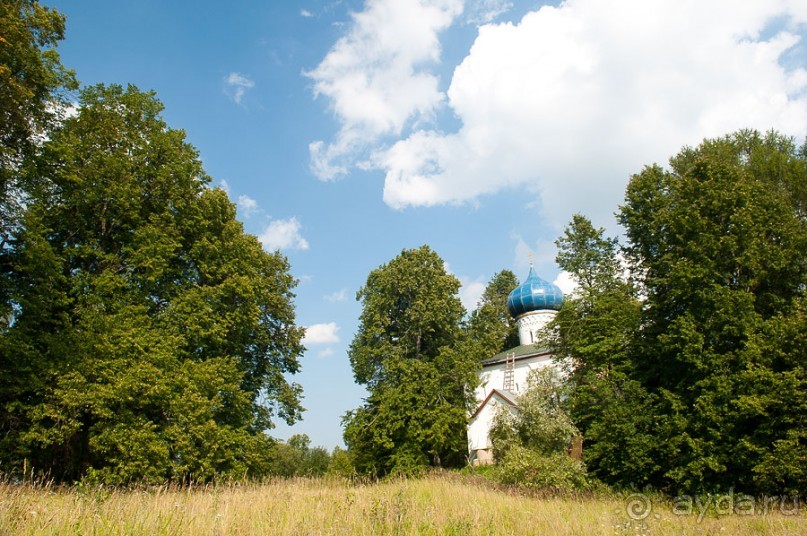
[[348, 130]]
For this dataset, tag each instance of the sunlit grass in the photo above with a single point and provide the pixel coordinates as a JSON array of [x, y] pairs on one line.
[[431, 505]]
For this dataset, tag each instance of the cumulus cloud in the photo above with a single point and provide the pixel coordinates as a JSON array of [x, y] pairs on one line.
[[566, 282], [471, 291], [321, 334], [283, 234], [236, 85], [567, 102], [338, 296], [376, 77], [305, 13], [485, 11], [246, 205]]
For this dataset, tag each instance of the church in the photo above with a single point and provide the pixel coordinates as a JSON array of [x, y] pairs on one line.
[[504, 376]]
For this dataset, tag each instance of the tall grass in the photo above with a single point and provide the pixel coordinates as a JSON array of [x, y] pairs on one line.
[[431, 505]]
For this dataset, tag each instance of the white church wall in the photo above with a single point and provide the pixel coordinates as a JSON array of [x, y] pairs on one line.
[[492, 377], [479, 426]]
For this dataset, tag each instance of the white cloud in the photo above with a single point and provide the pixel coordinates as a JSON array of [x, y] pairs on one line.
[[470, 292], [224, 185], [321, 334], [327, 352], [485, 11], [283, 234], [246, 205], [236, 85], [305, 13], [566, 283], [338, 296], [376, 77], [568, 102]]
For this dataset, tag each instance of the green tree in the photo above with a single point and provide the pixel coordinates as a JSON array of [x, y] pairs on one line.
[[420, 385], [699, 385], [341, 463], [590, 337], [720, 242], [150, 334], [532, 443], [490, 328], [33, 85], [296, 457]]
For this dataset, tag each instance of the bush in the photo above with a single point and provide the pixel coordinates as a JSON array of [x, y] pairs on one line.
[[524, 467], [341, 464], [297, 458]]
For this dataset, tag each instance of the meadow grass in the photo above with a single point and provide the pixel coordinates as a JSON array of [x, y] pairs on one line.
[[433, 504]]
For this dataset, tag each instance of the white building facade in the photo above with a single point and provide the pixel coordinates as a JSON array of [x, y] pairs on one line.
[[504, 376]]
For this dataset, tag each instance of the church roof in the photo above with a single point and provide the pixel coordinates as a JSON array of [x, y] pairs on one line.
[[508, 396], [521, 352], [534, 294]]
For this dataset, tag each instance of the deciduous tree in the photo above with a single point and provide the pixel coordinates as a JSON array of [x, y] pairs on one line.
[[700, 385], [721, 242], [404, 353], [490, 329], [150, 336], [33, 86]]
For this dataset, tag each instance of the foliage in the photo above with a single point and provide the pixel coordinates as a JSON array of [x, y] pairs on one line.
[[531, 444], [490, 329], [33, 83], [404, 352], [296, 457], [592, 332], [523, 467], [701, 386], [150, 334], [540, 422], [341, 463]]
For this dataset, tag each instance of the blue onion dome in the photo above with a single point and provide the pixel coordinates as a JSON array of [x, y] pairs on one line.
[[534, 294]]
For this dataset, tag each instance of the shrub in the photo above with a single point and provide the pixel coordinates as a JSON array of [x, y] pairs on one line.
[[527, 468]]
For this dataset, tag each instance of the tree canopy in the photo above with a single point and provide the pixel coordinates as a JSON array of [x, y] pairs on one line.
[[490, 329], [701, 382], [149, 336], [404, 352], [33, 83]]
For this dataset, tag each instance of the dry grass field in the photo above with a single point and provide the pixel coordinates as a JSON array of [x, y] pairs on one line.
[[430, 505]]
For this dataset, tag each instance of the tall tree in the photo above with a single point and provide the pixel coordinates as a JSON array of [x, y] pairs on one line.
[[720, 241], [404, 353], [33, 87], [701, 384], [150, 334], [592, 333]]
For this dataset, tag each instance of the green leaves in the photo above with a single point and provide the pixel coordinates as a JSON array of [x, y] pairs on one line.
[[700, 384], [532, 443], [490, 329], [150, 336], [404, 352]]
